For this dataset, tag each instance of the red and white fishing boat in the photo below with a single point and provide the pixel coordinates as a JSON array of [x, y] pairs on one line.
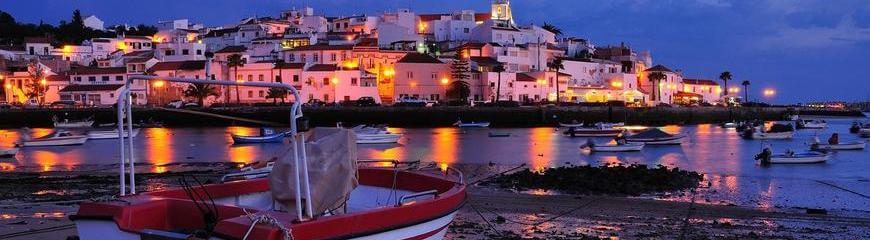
[[315, 191]]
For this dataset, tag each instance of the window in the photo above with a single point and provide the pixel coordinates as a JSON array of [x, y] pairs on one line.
[[434, 75], [119, 78], [260, 77], [239, 77], [199, 52], [278, 78], [111, 95], [105, 78], [346, 98], [92, 79], [260, 93], [185, 52], [334, 57], [410, 74], [295, 78], [78, 79], [316, 57], [250, 94], [325, 81], [250, 77], [169, 52], [353, 81], [343, 56], [291, 57], [466, 30], [302, 57], [326, 97]]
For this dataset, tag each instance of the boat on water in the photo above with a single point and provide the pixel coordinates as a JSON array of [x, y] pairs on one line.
[[811, 124], [655, 136], [367, 134], [597, 130], [853, 145], [471, 124], [789, 157], [67, 123], [8, 152], [613, 147], [110, 134], [56, 138], [777, 131], [499, 134], [267, 135], [729, 125], [580, 125], [255, 170]]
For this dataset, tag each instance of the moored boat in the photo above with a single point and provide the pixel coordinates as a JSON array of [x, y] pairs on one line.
[[255, 170], [599, 130], [110, 134], [655, 136], [8, 152], [729, 125], [617, 147], [811, 124], [57, 138], [267, 135], [499, 134], [66, 123], [777, 131], [375, 135], [856, 145], [471, 124]]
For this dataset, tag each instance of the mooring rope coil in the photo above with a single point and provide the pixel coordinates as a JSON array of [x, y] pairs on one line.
[[266, 219]]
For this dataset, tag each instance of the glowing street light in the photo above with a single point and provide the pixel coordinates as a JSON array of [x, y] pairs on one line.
[[445, 81], [769, 92], [43, 82], [8, 86], [159, 84], [334, 80]]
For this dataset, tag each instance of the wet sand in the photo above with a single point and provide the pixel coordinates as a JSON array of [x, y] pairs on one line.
[[510, 215]]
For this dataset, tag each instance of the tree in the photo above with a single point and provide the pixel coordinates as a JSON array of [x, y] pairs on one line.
[[460, 68], [458, 90], [725, 76], [235, 61], [656, 78], [35, 88], [276, 93], [584, 54], [498, 69], [552, 28], [556, 65], [745, 90], [200, 91]]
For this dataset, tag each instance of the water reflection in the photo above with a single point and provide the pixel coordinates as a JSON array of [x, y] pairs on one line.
[[158, 148], [541, 148], [444, 145]]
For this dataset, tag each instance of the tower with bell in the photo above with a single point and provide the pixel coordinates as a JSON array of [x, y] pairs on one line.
[[501, 13]]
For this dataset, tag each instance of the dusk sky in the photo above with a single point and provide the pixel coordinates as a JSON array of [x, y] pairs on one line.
[[810, 50]]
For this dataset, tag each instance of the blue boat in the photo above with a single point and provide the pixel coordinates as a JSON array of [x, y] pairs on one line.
[[267, 135]]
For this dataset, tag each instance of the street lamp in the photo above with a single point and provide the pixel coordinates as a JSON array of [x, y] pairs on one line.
[[159, 85], [769, 92]]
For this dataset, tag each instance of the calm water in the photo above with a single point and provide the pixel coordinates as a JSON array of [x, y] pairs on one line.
[[734, 177]]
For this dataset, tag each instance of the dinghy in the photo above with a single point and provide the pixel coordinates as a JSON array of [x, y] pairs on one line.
[[617, 147], [255, 170], [499, 134], [580, 125], [776, 132], [267, 135], [599, 130], [57, 138], [767, 157], [461, 124], [856, 127], [655, 136], [811, 124], [8, 152], [729, 125], [854, 145], [66, 123], [110, 134], [375, 135]]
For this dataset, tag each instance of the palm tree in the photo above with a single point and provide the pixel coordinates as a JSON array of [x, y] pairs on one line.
[[656, 78], [556, 65], [200, 91], [745, 90], [276, 93], [552, 28], [498, 69], [235, 61], [458, 90], [725, 76]]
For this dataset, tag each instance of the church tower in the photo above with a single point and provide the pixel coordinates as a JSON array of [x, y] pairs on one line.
[[501, 12]]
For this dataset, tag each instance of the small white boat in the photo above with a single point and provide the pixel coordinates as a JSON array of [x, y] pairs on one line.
[[811, 124], [255, 170], [857, 145], [375, 135], [110, 134], [58, 138], [66, 123], [799, 158], [471, 124], [729, 125], [655, 136], [603, 124], [8, 152], [769, 135], [625, 147]]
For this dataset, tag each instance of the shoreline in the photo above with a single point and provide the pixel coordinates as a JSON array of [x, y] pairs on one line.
[[415, 117]]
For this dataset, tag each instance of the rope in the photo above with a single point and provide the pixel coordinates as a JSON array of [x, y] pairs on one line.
[[685, 227], [535, 224], [37, 231], [266, 219], [484, 220], [842, 188]]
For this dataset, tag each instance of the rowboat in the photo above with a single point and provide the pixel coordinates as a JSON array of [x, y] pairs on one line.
[[8, 152], [57, 138], [499, 134], [423, 208], [597, 131], [811, 124], [580, 125], [66, 123], [655, 136], [768, 135], [617, 147], [729, 125], [471, 124], [110, 134], [375, 135], [267, 135], [856, 145], [253, 170]]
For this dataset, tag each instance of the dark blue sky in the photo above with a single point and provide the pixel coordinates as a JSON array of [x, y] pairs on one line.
[[809, 50]]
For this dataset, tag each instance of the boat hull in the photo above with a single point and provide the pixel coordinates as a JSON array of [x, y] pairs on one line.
[[60, 141], [841, 146], [630, 147], [770, 136], [798, 158], [377, 138], [658, 141], [272, 138], [594, 133], [8, 152], [111, 134], [74, 124], [473, 125]]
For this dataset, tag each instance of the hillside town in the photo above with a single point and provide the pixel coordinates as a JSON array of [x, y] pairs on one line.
[[392, 57]]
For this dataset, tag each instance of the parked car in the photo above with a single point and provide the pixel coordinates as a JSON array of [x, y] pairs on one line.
[[314, 103], [4, 105], [410, 99], [63, 104], [366, 102], [175, 104]]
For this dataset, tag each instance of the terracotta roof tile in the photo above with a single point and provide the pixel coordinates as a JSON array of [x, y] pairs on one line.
[[322, 68], [181, 65], [700, 82], [91, 87], [418, 58], [658, 68]]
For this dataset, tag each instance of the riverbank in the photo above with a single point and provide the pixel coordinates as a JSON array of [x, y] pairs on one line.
[[421, 117]]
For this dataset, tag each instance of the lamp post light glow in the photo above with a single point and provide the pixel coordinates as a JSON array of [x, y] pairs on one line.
[[334, 80], [769, 92], [445, 81], [43, 82]]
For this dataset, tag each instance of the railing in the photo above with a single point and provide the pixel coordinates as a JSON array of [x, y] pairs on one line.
[[125, 108], [433, 193]]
